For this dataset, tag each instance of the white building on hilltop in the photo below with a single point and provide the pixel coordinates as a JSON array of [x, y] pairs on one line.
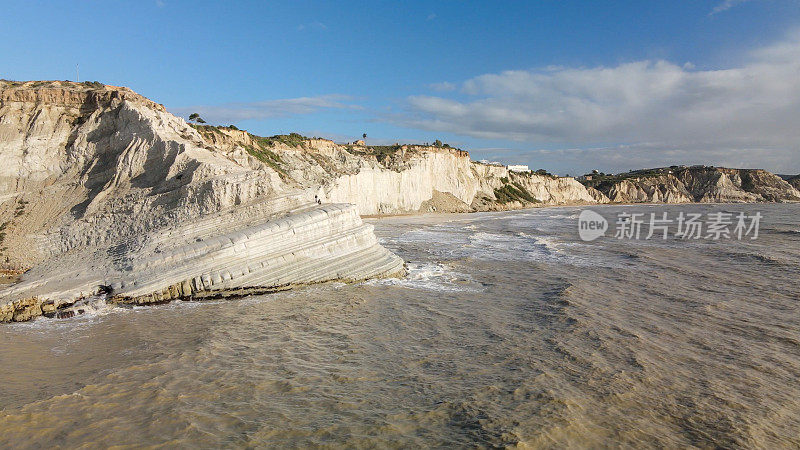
[[517, 168]]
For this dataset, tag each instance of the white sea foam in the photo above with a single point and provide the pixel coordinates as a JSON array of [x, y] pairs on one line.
[[432, 277], [87, 312], [563, 216]]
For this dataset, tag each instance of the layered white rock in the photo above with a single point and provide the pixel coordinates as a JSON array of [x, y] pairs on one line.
[[197, 260], [403, 188], [404, 178], [381, 190], [104, 191]]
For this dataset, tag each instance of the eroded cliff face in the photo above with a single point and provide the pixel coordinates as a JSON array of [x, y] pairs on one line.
[[407, 182], [405, 178], [699, 184], [105, 193], [401, 178], [662, 189]]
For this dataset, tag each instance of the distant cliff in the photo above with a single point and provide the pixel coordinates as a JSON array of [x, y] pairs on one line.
[[400, 179], [679, 184]]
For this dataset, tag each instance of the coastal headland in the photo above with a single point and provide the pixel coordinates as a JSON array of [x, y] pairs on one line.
[[107, 197]]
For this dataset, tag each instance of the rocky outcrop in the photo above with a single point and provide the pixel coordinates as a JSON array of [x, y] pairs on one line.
[[662, 189], [697, 184], [794, 181], [105, 195]]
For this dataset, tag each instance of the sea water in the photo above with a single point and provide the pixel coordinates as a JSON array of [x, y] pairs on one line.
[[508, 330]]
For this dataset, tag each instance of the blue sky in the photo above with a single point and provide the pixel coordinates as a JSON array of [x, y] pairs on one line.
[[564, 85]]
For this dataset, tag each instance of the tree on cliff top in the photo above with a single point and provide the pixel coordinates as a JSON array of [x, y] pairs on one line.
[[196, 118]]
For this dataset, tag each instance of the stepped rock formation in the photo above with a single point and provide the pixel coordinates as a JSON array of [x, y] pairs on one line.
[[106, 194]]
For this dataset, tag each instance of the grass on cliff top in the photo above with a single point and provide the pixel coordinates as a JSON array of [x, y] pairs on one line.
[[511, 192], [602, 180], [211, 128], [93, 84], [52, 83], [204, 129], [261, 151], [267, 157], [291, 140], [381, 152]]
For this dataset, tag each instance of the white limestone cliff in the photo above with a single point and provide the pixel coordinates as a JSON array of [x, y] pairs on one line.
[[104, 192], [400, 178]]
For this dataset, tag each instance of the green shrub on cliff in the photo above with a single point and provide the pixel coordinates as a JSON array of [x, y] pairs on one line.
[[267, 156], [93, 84], [513, 192], [382, 152], [291, 139]]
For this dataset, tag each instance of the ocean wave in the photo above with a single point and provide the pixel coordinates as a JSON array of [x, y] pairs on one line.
[[517, 246], [760, 257], [84, 312], [432, 277], [783, 231]]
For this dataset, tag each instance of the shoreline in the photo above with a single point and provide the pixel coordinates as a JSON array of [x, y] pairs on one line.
[[373, 217], [25, 310]]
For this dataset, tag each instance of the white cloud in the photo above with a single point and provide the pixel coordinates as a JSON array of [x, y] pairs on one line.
[[431, 16], [755, 105], [625, 157], [234, 112], [726, 5]]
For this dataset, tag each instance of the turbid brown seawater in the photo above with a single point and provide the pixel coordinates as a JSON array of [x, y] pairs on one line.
[[508, 330]]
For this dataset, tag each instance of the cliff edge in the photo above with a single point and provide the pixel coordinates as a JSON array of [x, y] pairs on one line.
[[105, 196]]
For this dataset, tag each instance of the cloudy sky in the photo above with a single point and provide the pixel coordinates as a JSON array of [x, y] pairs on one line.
[[563, 85]]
